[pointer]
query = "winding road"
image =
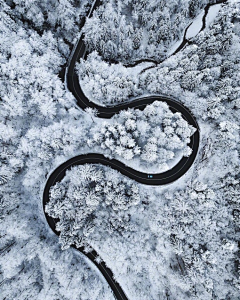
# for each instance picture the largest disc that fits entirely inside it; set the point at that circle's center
(72, 82)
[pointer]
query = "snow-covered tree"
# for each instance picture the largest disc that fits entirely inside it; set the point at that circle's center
(83, 199)
(155, 135)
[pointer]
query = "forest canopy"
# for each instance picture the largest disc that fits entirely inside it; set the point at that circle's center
(176, 242)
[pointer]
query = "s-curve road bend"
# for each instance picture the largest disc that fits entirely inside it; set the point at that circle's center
(72, 82)
(57, 176)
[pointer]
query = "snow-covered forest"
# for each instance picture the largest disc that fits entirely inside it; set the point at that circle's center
(89, 198)
(125, 31)
(151, 139)
(38, 125)
(175, 242)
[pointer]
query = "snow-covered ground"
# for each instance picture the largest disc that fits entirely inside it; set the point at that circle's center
(123, 83)
(154, 139)
(181, 241)
(212, 13)
(92, 84)
(195, 27)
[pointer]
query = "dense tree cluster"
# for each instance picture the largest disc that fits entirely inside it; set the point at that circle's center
(31, 268)
(32, 97)
(178, 242)
(147, 30)
(200, 226)
(155, 135)
(35, 131)
(89, 197)
(189, 235)
(196, 228)
(208, 69)
(109, 83)
(61, 17)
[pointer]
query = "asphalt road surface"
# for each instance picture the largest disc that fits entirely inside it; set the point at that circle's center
(107, 112)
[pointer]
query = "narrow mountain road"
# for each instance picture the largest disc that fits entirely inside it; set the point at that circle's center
(72, 82)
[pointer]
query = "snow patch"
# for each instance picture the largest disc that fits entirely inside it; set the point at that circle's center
(195, 27)
(212, 13)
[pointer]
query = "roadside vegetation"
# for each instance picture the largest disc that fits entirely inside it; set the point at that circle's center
(177, 242)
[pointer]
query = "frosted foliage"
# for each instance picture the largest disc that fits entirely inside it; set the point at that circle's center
(154, 135)
(110, 83)
(89, 197)
(175, 242)
(204, 74)
(38, 123)
(147, 30)
(200, 227)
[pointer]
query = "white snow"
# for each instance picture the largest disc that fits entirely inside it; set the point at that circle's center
(92, 85)
(41, 128)
(195, 27)
(136, 164)
(175, 46)
(212, 13)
